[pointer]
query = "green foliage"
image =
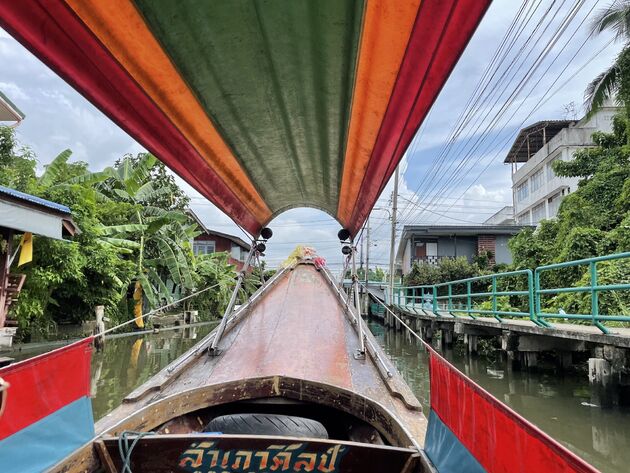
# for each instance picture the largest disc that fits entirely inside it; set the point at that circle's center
(133, 226)
(615, 81)
(17, 164)
(448, 269)
(504, 304)
(594, 220)
(483, 259)
(610, 302)
(213, 269)
(170, 196)
(375, 274)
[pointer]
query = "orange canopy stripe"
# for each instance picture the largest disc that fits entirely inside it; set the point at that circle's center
(387, 26)
(120, 27)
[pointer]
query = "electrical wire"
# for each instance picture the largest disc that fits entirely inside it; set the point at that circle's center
(566, 21)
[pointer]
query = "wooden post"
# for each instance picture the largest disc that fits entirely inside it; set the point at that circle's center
(99, 340)
(5, 259)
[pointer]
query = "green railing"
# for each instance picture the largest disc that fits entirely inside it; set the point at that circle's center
(593, 288)
(448, 299)
(461, 297)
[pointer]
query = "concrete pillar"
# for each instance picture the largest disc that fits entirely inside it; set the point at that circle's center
(509, 341)
(471, 343)
(564, 360)
(427, 331)
(446, 337)
(100, 327)
(599, 371)
(600, 375)
(529, 359)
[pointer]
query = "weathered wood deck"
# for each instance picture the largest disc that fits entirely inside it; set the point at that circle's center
(297, 339)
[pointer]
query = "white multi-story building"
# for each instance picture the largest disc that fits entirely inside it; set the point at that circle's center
(536, 190)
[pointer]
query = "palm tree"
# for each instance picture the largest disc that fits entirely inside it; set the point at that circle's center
(610, 84)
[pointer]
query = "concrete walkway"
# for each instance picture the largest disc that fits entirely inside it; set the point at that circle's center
(618, 336)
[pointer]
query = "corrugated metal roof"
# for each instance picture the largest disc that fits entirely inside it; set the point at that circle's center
(8, 110)
(530, 139)
(34, 200)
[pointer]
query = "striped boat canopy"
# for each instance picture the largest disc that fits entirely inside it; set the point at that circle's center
(261, 105)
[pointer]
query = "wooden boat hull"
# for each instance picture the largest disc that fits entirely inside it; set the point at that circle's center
(293, 348)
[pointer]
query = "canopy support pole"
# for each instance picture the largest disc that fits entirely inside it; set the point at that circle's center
(230, 307)
(357, 303)
(392, 242)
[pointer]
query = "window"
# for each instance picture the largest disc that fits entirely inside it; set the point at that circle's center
(550, 174)
(201, 247)
(553, 204)
(522, 192)
(538, 213)
(537, 180)
(523, 219)
(237, 252)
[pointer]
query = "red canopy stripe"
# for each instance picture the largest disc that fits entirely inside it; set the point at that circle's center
(440, 34)
(57, 36)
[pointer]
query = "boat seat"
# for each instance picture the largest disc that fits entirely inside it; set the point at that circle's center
(241, 453)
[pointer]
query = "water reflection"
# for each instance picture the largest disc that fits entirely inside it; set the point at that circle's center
(564, 406)
(127, 362)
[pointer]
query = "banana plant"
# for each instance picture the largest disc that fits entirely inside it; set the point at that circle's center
(158, 239)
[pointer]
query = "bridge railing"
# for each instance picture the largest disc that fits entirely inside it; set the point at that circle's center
(466, 297)
(594, 289)
(461, 297)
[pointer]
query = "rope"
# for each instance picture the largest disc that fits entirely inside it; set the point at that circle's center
(154, 311)
(126, 450)
(4, 387)
(426, 345)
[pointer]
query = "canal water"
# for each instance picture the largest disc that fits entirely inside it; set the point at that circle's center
(127, 360)
(564, 406)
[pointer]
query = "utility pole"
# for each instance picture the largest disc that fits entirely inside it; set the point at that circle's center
(367, 266)
(361, 251)
(392, 243)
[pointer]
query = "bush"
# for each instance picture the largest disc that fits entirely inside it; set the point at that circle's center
(448, 269)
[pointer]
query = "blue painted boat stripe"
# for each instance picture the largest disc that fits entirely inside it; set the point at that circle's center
(42, 444)
(446, 452)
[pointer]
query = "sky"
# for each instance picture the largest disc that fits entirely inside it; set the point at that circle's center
(452, 173)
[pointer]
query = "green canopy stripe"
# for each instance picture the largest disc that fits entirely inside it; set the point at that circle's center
(281, 101)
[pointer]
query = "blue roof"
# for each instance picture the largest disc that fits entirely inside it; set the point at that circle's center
(34, 200)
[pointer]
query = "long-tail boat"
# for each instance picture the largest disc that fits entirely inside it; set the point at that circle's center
(262, 106)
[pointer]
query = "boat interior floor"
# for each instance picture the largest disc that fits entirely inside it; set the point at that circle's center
(289, 356)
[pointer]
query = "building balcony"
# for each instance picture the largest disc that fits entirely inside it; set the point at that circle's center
(429, 259)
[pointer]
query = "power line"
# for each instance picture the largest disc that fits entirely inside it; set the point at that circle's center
(545, 98)
(476, 99)
(567, 20)
(494, 120)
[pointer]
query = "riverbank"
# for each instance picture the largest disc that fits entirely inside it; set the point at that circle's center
(565, 406)
(22, 351)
